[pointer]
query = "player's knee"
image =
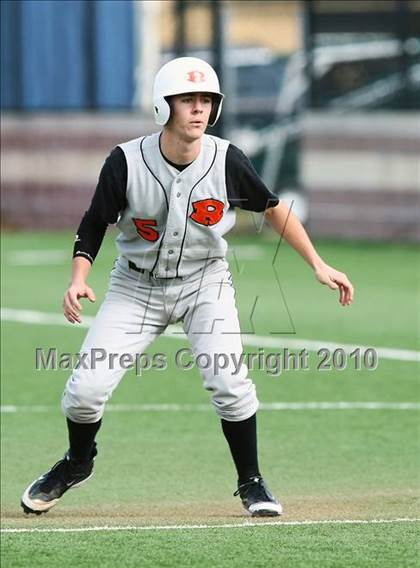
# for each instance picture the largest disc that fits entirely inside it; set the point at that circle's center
(235, 401)
(82, 403)
(237, 411)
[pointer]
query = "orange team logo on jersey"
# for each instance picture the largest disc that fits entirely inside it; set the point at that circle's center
(144, 229)
(196, 76)
(207, 211)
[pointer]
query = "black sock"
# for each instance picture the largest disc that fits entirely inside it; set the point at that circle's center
(82, 439)
(242, 439)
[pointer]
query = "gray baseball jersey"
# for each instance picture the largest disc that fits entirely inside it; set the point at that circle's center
(174, 220)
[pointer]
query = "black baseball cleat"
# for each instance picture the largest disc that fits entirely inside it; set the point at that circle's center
(257, 499)
(45, 492)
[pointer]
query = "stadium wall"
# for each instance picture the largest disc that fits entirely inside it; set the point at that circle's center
(361, 173)
(50, 164)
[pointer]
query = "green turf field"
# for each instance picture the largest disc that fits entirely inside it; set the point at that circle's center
(168, 466)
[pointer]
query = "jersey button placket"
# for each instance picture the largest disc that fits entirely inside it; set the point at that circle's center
(172, 233)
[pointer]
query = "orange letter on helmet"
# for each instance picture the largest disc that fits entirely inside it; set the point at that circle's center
(196, 76)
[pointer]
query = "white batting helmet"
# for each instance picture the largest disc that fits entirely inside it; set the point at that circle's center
(185, 75)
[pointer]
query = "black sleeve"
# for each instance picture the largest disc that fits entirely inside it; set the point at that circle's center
(245, 188)
(107, 203)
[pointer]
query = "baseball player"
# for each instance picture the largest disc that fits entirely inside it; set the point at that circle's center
(173, 196)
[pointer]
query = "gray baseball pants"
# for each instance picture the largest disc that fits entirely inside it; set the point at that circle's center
(136, 310)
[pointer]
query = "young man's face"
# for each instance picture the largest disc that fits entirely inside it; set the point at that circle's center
(190, 114)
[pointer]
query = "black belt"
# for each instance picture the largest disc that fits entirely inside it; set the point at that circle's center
(136, 268)
(151, 275)
(148, 273)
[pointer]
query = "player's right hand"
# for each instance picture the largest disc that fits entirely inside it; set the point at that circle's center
(71, 305)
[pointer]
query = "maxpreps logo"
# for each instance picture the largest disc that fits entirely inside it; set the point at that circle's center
(196, 76)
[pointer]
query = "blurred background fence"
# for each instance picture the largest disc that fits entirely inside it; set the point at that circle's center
(323, 96)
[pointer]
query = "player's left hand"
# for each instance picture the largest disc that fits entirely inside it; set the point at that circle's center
(336, 280)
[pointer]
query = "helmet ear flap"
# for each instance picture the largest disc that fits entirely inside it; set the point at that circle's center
(162, 111)
(216, 109)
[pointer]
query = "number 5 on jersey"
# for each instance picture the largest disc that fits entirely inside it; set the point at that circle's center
(144, 229)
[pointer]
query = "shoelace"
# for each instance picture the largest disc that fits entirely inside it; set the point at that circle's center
(64, 470)
(255, 482)
(57, 472)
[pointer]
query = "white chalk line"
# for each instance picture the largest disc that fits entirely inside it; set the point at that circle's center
(38, 257)
(264, 406)
(175, 332)
(61, 256)
(246, 524)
